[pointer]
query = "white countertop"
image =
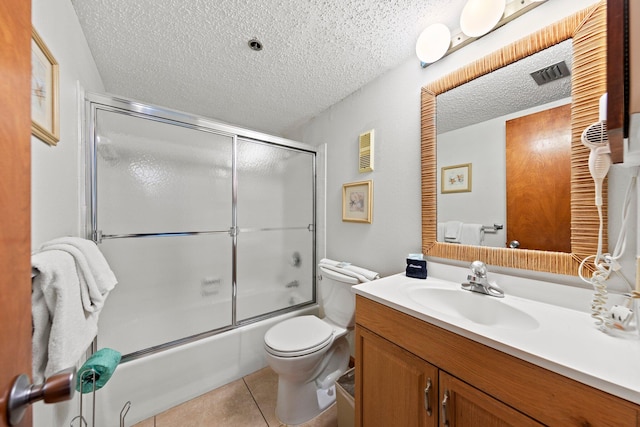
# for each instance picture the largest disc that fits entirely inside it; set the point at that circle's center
(565, 341)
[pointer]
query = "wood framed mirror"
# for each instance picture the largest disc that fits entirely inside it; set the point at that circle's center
(587, 29)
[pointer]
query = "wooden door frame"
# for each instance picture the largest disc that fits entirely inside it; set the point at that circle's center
(15, 197)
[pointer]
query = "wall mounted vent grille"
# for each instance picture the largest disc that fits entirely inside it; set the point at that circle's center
(365, 153)
(551, 73)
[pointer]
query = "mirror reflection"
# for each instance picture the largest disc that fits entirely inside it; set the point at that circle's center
(504, 156)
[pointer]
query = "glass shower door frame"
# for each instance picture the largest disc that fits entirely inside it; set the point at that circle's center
(95, 102)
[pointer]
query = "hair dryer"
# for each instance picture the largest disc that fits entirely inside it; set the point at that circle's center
(595, 138)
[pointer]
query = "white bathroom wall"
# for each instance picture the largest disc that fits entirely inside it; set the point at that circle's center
(391, 106)
(55, 190)
(55, 185)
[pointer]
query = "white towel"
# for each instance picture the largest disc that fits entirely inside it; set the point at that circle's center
(472, 234)
(96, 277)
(440, 232)
(69, 290)
(452, 231)
(362, 274)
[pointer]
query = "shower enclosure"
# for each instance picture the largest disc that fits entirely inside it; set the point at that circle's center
(208, 227)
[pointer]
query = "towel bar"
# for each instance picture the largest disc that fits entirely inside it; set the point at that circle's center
(492, 228)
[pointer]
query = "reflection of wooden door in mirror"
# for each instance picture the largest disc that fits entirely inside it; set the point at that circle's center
(539, 180)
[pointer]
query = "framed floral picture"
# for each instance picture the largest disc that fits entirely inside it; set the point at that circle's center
(357, 201)
(45, 122)
(456, 179)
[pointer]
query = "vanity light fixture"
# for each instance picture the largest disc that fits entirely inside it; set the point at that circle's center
(478, 18)
(481, 16)
(433, 43)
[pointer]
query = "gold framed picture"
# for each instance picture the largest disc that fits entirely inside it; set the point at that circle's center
(45, 122)
(456, 179)
(357, 202)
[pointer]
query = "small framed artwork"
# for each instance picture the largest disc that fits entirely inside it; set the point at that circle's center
(456, 179)
(357, 201)
(45, 122)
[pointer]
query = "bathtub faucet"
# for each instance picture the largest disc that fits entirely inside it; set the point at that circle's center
(294, 284)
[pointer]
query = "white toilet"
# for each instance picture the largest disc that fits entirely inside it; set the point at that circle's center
(309, 353)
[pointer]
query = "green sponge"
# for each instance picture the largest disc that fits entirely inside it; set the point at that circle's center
(103, 363)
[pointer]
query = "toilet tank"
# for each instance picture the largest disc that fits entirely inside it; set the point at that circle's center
(337, 298)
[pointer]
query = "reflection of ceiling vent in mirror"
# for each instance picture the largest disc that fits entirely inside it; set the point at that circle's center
(365, 153)
(551, 73)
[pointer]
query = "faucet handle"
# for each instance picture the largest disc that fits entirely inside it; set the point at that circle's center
(479, 269)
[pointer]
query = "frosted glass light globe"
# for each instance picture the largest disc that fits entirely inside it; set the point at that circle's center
(433, 43)
(481, 16)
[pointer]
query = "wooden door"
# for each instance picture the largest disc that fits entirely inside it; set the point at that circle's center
(466, 406)
(539, 180)
(15, 197)
(393, 386)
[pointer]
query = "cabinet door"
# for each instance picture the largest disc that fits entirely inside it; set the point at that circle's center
(462, 405)
(393, 386)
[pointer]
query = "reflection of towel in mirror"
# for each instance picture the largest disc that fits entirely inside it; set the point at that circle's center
(72, 282)
(452, 231)
(472, 234)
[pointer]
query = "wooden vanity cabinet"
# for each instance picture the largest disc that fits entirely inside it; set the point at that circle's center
(465, 406)
(395, 387)
(398, 356)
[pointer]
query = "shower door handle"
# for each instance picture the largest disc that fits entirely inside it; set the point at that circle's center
(57, 388)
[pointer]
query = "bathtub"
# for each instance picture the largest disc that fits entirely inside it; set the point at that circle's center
(157, 382)
(160, 381)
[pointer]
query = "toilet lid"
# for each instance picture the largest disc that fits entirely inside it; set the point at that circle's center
(298, 335)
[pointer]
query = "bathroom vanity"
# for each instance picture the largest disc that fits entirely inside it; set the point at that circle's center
(420, 366)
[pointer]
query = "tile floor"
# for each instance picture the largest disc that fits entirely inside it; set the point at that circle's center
(247, 402)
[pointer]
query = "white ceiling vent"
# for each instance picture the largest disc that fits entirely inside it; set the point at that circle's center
(551, 73)
(365, 153)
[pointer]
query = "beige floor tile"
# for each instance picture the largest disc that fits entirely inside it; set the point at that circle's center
(228, 406)
(149, 422)
(329, 418)
(263, 385)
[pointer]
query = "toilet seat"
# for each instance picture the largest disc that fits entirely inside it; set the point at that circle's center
(298, 336)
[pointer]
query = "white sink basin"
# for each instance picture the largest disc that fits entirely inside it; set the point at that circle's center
(540, 322)
(476, 307)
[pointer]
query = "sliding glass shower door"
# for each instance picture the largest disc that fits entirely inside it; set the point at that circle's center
(204, 228)
(163, 205)
(275, 220)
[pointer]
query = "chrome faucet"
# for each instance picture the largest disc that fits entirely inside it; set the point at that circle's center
(478, 281)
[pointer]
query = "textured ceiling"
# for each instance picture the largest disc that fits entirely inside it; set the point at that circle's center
(193, 55)
(477, 101)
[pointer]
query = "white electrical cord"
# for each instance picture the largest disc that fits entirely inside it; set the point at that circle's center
(606, 263)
